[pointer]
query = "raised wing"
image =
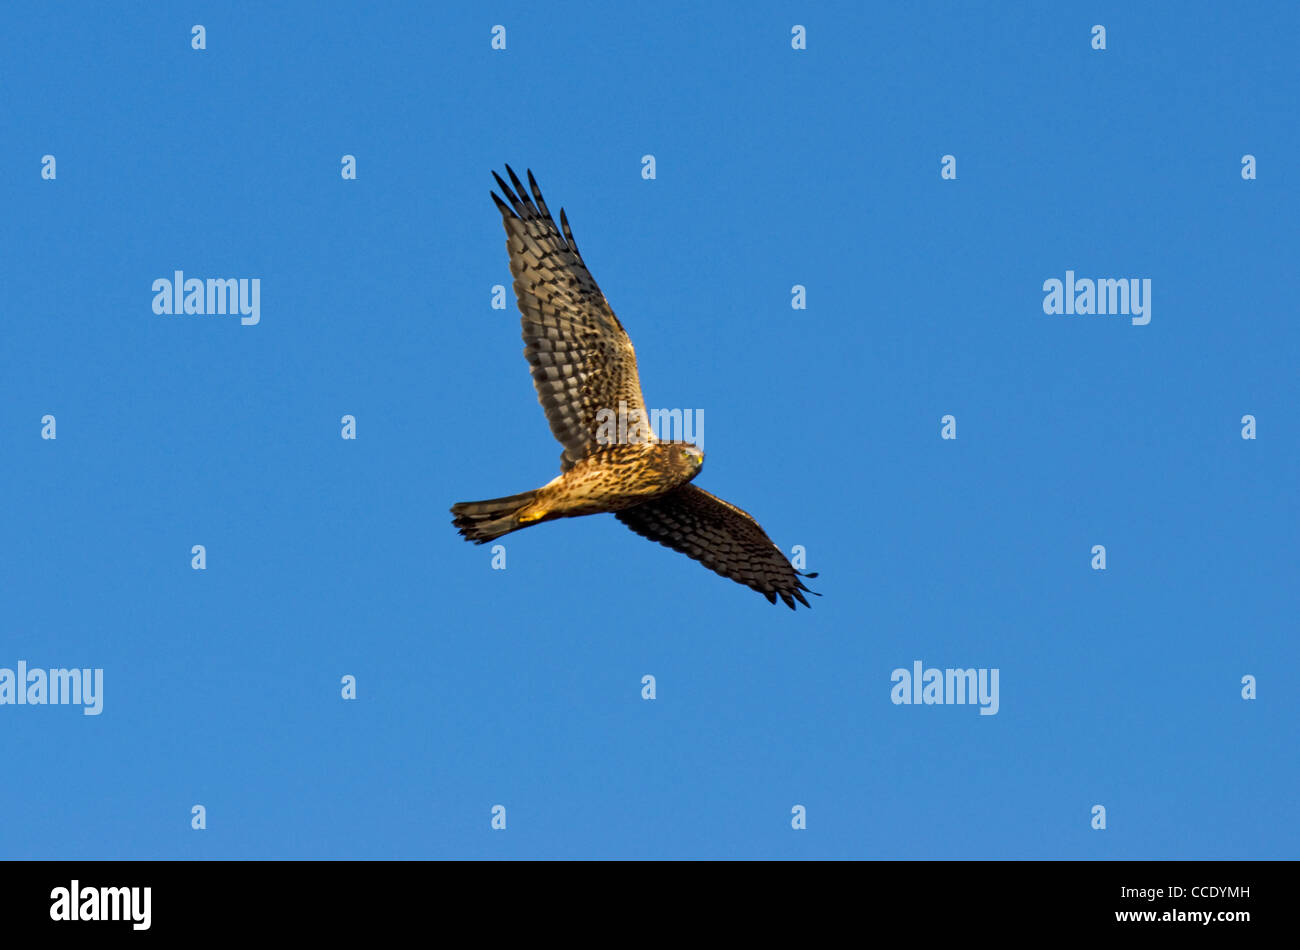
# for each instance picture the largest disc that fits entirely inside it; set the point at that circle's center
(722, 538)
(582, 360)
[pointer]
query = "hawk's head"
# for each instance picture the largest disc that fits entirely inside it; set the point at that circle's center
(692, 456)
(675, 463)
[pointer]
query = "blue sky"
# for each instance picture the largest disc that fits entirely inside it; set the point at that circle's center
(522, 687)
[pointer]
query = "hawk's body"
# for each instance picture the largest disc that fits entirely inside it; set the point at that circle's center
(583, 366)
(611, 479)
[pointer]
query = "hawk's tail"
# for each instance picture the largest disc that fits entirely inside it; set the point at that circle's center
(483, 521)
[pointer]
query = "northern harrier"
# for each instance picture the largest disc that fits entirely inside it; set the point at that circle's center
(582, 362)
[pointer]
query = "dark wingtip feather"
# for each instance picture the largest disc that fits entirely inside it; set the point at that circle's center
(770, 595)
(504, 208)
(568, 235)
(519, 187)
(507, 191)
(800, 585)
(537, 194)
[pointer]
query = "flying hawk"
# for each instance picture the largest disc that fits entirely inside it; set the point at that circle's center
(582, 362)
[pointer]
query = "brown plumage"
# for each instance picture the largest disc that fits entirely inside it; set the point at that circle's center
(612, 478)
(582, 363)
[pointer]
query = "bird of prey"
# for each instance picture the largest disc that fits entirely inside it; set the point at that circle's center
(582, 363)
